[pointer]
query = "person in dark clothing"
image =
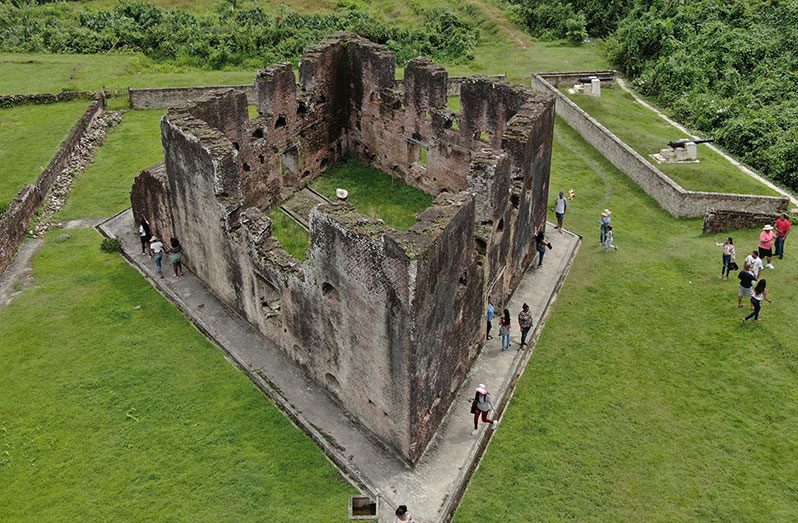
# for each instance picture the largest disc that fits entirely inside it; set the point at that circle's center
(540, 245)
(145, 233)
(747, 279)
(176, 257)
(760, 294)
(524, 322)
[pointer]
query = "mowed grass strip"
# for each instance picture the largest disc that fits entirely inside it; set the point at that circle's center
(647, 133)
(104, 188)
(115, 408)
(647, 398)
(374, 193)
(30, 136)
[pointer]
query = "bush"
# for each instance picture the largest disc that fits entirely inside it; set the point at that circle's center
(111, 245)
(226, 37)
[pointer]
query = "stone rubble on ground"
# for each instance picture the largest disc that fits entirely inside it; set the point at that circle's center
(81, 156)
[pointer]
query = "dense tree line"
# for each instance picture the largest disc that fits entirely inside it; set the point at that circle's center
(726, 67)
(246, 36)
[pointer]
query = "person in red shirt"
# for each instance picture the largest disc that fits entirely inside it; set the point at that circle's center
(783, 226)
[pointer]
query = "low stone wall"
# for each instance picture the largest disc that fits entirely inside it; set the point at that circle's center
(672, 197)
(180, 96)
(13, 100)
(24, 206)
(722, 221)
(572, 77)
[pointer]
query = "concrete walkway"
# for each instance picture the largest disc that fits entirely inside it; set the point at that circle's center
(433, 488)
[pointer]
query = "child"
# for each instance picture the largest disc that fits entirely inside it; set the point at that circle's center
(608, 240)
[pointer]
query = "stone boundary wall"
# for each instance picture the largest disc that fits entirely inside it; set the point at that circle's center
(672, 197)
(12, 100)
(168, 97)
(570, 78)
(722, 221)
(453, 87)
(23, 207)
(165, 98)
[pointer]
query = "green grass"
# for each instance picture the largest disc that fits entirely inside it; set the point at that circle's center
(115, 408)
(30, 135)
(647, 133)
(294, 239)
(374, 193)
(646, 398)
(47, 73)
(104, 189)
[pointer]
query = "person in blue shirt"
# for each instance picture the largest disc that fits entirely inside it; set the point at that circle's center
(491, 313)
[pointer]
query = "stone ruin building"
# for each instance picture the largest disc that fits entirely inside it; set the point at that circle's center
(387, 321)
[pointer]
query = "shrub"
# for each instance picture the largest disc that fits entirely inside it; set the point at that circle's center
(111, 245)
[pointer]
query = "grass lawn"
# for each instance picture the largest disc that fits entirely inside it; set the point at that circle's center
(30, 135)
(647, 398)
(115, 408)
(294, 239)
(52, 73)
(647, 133)
(104, 189)
(374, 193)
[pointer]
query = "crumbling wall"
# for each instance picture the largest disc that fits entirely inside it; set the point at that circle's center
(388, 321)
(150, 197)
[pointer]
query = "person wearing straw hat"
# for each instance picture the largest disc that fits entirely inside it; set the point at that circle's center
(604, 220)
(341, 194)
(766, 240)
(481, 406)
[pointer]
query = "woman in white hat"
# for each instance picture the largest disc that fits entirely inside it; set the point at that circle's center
(481, 406)
(604, 220)
(766, 240)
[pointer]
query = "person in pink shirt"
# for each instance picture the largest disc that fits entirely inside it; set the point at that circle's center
(783, 227)
(766, 240)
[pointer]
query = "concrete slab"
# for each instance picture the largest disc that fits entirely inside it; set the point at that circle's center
(433, 488)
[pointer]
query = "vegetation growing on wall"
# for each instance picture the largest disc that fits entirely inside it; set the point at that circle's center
(246, 36)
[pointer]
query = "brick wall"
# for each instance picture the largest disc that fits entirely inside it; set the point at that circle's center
(24, 206)
(179, 96)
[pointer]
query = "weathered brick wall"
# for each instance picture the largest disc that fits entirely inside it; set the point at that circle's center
(166, 98)
(24, 206)
(671, 196)
(150, 197)
(722, 221)
(389, 322)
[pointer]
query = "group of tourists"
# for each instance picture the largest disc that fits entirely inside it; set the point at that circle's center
(152, 246)
(752, 285)
(505, 324)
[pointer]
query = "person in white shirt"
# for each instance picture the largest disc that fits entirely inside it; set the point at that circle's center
(755, 262)
(156, 246)
(560, 206)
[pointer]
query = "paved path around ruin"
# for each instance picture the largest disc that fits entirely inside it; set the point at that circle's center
(433, 488)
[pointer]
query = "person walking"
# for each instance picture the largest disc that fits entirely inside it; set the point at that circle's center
(609, 239)
(728, 257)
(156, 247)
(524, 323)
(491, 313)
(481, 407)
(604, 221)
(760, 294)
(176, 257)
(402, 515)
(145, 233)
(767, 238)
(754, 262)
(560, 206)
(504, 330)
(747, 279)
(783, 226)
(540, 245)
